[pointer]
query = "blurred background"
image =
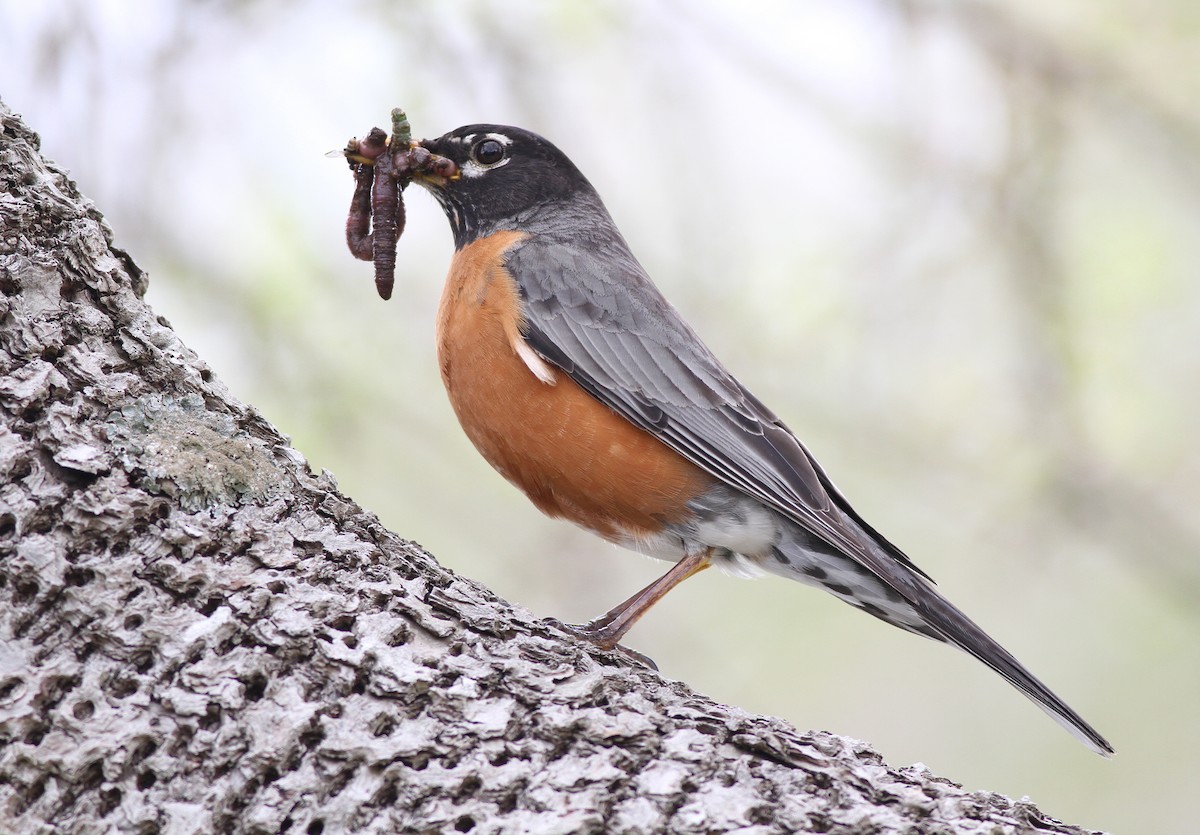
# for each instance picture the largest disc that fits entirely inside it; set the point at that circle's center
(952, 244)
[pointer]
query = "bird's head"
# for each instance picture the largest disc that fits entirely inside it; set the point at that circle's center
(500, 174)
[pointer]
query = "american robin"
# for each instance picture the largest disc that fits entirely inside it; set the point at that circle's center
(578, 381)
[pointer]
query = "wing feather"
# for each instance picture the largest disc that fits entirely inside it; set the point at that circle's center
(618, 338)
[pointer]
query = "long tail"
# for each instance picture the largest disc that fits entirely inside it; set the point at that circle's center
(909, 601)
(959, 630)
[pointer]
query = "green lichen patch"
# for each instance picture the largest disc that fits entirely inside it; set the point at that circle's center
(180, 448)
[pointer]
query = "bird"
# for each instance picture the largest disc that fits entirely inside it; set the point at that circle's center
(584, 387)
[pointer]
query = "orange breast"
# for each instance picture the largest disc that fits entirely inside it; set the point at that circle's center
(573, 456)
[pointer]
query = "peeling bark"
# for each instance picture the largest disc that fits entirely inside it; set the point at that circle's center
(198, 634)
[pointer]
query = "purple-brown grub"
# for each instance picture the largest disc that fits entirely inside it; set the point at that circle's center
(376, 217)
(387, 212)
(358, 221)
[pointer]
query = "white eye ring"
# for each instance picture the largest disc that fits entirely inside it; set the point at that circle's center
(476, 167)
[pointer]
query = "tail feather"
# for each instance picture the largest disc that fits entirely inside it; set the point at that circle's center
(908, 600)
(956, 628)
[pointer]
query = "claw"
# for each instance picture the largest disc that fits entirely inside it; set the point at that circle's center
(595, 634)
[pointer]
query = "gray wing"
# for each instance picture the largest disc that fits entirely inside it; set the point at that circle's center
(624, 344)
(615, 335)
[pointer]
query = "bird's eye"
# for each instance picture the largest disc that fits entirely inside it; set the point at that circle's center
(487, 152)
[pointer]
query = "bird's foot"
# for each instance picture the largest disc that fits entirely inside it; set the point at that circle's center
(599, 634)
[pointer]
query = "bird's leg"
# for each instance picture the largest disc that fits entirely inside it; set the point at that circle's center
(607, 630)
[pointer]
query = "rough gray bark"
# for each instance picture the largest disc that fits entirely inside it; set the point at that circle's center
(199, 635)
